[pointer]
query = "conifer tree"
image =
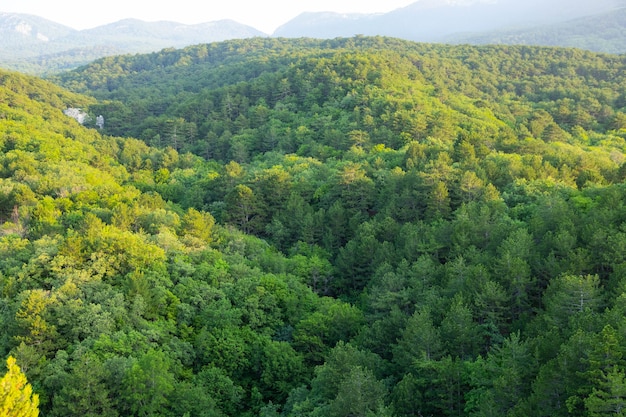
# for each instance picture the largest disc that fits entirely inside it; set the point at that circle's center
(16, 394)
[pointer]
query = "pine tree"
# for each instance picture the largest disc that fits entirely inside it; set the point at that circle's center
(610, 398)
(16, 394)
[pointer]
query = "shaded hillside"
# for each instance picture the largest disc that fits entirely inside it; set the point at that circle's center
(368, 226)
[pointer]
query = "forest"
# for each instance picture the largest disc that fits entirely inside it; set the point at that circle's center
(350, 227)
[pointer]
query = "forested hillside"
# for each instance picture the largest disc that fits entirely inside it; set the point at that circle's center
(355, 227)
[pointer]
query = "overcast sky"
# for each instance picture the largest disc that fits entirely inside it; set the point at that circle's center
(263, 15)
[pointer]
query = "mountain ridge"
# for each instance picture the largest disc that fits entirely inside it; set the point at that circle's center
(36, 45)
(604, 32)
(31, 27)
(426, 21)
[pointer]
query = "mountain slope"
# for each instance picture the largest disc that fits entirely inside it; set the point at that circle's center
(603, 33)
(437, 20)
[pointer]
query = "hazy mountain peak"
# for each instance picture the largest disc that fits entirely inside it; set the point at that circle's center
(33, 44)
(29, 27)
(435, 20)
(443, 3)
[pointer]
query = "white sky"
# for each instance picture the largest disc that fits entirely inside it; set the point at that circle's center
(265, 15)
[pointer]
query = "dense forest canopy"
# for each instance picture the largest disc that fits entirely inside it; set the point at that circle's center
(352, 227)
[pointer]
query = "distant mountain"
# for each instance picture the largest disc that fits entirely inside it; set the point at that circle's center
(438, 20)
(168, 33)
(605, 32)
(327, 25)
(27, 29)
(25, 36)
(36, 45)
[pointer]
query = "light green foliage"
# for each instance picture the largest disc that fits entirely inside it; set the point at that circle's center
(198, 225)
(359, 394)
(570, 295)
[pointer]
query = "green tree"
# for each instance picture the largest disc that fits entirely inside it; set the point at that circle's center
(245, 210)
(459, 331)
(227, 395)
(501, 380)
(490, 301)
(438, 203)
(609, 399)
(189, 399)
(280, 369)
(354, 188)
(32, 318)
(355, 261)
(360, 394)
(198, 225)
(406, 396)
(571, 295)
(349, 374)
(420, 340)
(147, 384)
(84, 391)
